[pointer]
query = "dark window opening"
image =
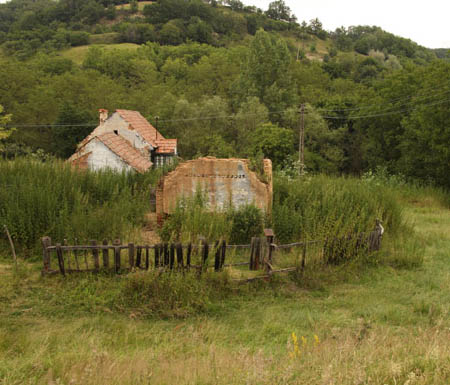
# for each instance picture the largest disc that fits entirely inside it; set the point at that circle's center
(116, 132)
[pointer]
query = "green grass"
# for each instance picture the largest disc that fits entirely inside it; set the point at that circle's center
(104, 38)
(78, 54)
(141, 5)
(376, 324)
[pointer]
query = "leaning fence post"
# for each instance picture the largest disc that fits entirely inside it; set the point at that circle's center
(11, 243)
(46, 242)
(59, 253)
(105, 254)
(95, 256)
(252, 254)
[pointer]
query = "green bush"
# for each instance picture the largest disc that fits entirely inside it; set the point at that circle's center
(247, 222)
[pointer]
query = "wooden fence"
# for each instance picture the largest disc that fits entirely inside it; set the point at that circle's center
(97, 257)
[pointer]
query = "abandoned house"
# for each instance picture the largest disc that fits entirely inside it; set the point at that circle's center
(124, 141)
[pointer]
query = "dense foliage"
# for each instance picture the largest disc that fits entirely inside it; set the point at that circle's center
(226, 80)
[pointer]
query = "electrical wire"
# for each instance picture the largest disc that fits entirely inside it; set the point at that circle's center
(369, 106)
(386, 113)
(235, 117)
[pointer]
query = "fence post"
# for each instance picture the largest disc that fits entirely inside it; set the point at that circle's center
(180, 262)
(95, 256)
(46, 242)
(217, 256)
(105, 254)
(59, 253)
(116, 244)
(252, 254)
(147, 257)
(303, 256)
(157, 251)
(205, 252)
(75, 254)
(188, 255)
(166, 254)
(138, 256)
(223, 253)
(257, 253)
(65, 243)
(172, 256)
(131, 255)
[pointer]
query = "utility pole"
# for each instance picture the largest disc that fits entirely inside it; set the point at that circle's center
(301, 144)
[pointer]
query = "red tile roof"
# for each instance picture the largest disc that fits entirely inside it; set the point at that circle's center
(125, 151)
(141, 126)
(166, 146)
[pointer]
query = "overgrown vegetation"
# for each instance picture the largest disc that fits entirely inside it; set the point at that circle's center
(321, 207)
(193, 219)
(50, 198)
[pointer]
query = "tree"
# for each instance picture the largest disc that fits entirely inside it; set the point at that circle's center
(275, 143)
(66, 137)
(171, 34)
(278, 10)
(4, 120)
(266, 73)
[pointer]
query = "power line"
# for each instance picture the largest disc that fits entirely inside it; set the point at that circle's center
(385, 113)
(236, 117)
(388, 102)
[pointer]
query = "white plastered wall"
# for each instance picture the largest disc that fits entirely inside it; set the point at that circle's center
(102, 157)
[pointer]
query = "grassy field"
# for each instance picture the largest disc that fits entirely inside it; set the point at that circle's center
(371, 325)
(77, 54)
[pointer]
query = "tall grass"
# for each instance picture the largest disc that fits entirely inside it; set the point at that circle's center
(51, 198)
(320, 207)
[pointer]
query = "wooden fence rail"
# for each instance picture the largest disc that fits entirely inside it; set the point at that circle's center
(96, 256)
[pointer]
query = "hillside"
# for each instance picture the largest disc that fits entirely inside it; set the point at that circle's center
(372, 99)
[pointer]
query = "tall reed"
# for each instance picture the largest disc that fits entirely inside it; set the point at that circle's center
(53, 199)
(321, 206)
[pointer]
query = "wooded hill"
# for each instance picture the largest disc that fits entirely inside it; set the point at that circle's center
(227, 80)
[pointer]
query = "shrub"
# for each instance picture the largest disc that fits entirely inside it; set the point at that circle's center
(247, 222)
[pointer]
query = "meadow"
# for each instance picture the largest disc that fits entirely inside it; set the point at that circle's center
(382, 319)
